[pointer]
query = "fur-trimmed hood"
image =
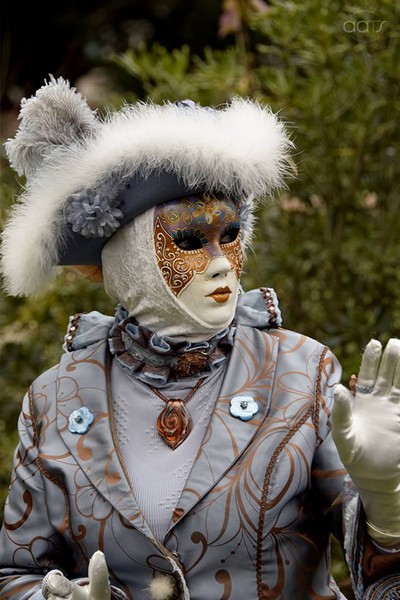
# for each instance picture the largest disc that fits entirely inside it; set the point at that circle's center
(77, 165)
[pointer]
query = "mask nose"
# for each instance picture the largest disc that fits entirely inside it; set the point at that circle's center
(219, 267)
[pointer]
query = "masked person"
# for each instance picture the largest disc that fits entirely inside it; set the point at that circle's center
(183, 448)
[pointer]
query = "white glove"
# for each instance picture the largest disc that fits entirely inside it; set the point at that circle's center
(57, 587)
(366, 431)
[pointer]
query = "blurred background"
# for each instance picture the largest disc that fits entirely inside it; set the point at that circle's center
(328, 244)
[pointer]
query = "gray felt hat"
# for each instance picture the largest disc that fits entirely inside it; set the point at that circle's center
(88, 176)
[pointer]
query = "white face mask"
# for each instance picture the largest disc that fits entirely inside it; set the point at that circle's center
(197, 242)
(167, 288)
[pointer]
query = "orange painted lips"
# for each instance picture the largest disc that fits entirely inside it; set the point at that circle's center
(221, 295)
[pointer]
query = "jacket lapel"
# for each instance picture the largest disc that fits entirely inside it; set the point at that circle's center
(250, 373)
(83, 382)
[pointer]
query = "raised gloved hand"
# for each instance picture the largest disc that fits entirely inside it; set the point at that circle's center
(366, 431)
(57, 587)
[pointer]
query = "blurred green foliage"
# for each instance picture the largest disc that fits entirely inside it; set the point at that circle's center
(330, 245)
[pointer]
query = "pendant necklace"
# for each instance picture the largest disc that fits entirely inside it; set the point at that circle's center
(174, 422)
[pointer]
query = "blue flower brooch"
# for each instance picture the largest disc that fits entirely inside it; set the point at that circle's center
(80, 420)
(243, 407)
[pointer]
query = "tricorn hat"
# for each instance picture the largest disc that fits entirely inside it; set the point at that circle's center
(88, 176)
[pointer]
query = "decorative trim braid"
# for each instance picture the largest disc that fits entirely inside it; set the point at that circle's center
(264, 496)
(317, 403)
(72, 329)
(273, 319)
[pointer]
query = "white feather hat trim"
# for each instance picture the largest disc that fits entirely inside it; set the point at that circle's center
(240, 149)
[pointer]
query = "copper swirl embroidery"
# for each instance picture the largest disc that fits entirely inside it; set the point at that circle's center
(233, 252)
(177, 266)
(208, 220)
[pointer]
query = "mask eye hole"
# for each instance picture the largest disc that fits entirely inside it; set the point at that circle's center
(189, 239)
(230, 234)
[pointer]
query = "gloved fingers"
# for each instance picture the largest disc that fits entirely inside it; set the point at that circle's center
(343, 430)
(369, 367)
(388, 366)
(79, 592)
(55, 586)
(395, 395)
(99, 585)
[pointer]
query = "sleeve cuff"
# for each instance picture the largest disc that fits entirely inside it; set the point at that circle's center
(387, 540)
(385, 589)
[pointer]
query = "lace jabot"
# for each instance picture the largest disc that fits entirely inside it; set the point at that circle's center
(156, 360)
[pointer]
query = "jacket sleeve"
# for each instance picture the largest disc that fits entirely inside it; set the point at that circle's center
(29, 546)
(375, 574)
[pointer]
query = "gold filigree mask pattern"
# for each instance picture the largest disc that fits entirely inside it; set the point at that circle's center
(190, 232)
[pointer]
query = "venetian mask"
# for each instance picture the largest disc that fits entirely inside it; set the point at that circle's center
(198, 250)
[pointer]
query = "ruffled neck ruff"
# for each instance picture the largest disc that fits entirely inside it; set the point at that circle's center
(156, 360)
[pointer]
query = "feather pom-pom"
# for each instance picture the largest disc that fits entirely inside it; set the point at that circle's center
(163, 587)
(56, 117)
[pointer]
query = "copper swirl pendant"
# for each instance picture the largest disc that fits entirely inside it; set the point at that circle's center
(174, 423)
